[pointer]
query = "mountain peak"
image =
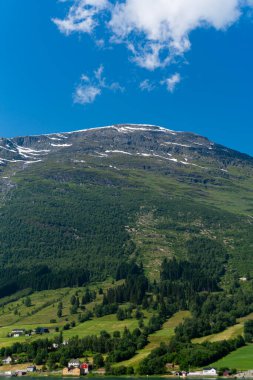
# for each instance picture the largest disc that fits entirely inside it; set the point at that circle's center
(123, 128)
(145, 142)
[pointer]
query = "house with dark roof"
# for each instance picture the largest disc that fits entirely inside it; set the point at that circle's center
(74, 363)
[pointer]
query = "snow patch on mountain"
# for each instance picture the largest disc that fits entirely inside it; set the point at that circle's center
(61, 145)
(122, 128)
(177, 144)
(118, 151)
(8, 148)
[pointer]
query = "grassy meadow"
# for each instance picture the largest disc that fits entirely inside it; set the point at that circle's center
(241, 359)
(43, 313)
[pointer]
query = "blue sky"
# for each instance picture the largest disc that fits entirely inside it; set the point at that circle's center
(75, 64)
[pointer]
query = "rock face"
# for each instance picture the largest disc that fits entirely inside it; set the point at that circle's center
(87, 200)
(138, 140)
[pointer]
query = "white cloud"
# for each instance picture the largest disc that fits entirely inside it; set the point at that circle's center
(154, 31)
(85, 94)
(99, 75)
(81, 16)
(164, 26)
(90, 88)
(146, 85)
(172, 81)
(115, 86)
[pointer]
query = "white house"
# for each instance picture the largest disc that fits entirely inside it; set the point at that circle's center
(17, 332)
(7, 360)
(74, 363)
(31, 368)
(209, 372)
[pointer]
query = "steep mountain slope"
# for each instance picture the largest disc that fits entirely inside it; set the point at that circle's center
(74, 205)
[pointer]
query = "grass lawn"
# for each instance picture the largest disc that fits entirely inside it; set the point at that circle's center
(93, 327)
(241, 359)
(157, 338)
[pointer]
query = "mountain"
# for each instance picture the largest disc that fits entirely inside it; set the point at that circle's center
(74, 205)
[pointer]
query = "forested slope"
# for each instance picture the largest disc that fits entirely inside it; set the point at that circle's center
(76, 205)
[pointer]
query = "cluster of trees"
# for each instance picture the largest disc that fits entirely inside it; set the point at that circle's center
(203, 269)
(126, 269)
(75, 304)
(133, 290)
(59, 309)
(187, 355)
(118, 347)
(248, 331)
(100, 310)
(214, 312)
(27, 301)
(88, 296)
(41, 277)
(124, 313)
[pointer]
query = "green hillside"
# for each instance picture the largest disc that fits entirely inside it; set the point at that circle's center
(70, 217)
(111, 235)
(78, 223)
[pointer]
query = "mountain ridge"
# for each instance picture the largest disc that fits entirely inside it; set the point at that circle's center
(19, 148)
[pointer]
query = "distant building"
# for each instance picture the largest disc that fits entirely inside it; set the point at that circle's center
(31, 368)
(75, 368)
(20, 373)
(74, 363)
(17, 332)
(41, 330)
(209, 372)
(84, 368)
(7, 360)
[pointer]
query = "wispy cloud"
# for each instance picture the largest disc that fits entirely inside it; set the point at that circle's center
(85, 94)
(82, 16)
(172, 82)
(90, 87)
(147, 85)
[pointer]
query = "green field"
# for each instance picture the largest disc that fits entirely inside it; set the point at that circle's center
(241, 359)
(43, 310)
(96, 325)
